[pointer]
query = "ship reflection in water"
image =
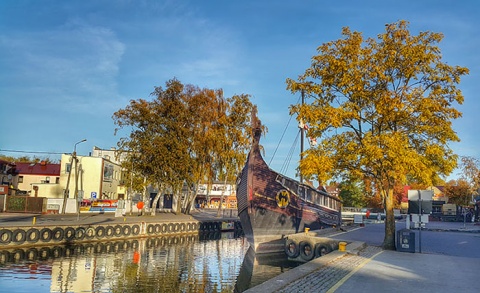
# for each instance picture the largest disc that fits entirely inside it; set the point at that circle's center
(216, 262)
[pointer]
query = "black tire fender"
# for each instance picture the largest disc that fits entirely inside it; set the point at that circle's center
(194, 227)
(322, 249)
(151, 228)
(291, 248)
(307, 250)
(69, 233)
(5, 236)
(177, 227)
(117, 230)
(164, 228)
(126, 230)
(79, 233)
(90, 233)
(183, 227)
(211, 226)
(33, 235)
(100, 232)
(19, 236)
(58, 234)
(135, 229)
(46, 234)
(109, 231)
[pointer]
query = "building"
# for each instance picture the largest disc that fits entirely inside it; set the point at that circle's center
(92, 177)
(209, 196)
(97, 176)
(37, 179)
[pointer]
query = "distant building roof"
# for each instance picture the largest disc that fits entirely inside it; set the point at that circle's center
(41, 168)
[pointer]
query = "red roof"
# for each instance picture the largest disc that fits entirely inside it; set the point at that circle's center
(37, 169)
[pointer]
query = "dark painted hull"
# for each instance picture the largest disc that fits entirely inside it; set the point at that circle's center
(271, 205)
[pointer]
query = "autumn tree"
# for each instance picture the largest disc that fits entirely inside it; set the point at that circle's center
(470, 167)
(382, 110)
(180, 138)
(458, 192)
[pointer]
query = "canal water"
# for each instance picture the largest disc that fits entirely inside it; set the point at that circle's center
(213, 262)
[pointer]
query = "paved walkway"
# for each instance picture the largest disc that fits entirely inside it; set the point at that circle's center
(22, 220)
(371, 269)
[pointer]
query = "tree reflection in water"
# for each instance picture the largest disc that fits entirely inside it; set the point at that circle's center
(205, 263)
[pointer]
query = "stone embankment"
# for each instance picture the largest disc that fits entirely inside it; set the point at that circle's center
(66, 229)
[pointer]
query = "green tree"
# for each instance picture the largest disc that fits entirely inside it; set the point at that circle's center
(352, 193)
(383, 109)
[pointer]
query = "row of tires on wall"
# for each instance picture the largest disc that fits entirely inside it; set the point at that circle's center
(66, 234)
(218, 226)
(78, 234)
(168, 228)
(306, 250)
(189, 227)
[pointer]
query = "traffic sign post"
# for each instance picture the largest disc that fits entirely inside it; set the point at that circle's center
(420, 205)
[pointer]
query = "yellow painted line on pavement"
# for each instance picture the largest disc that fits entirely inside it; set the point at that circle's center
(344, 279)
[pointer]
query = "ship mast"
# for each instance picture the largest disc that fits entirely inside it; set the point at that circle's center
(302, 134)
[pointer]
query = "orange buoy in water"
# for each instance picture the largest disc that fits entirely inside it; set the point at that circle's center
(140, 205)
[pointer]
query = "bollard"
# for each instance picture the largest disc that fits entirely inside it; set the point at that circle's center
(34, 221)
(306, 231)
(342, 246)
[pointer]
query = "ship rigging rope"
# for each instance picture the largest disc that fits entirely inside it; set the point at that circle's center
(287, 161)
(283, 134)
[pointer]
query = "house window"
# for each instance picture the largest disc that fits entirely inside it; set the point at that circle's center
(57, 180)
(68, 166)
(47, 179)
(20, 179)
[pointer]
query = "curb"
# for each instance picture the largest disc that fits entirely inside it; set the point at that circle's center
(277, 283)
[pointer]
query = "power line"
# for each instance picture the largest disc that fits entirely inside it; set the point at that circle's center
(31, 152)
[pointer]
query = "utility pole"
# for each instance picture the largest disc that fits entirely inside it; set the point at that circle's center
(74, 159)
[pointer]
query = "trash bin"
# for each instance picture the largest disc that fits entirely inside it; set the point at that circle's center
(405, 240)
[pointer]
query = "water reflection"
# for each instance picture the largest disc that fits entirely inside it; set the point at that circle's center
(215, 262)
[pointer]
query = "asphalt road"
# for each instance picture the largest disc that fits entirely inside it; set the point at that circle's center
(462, 244)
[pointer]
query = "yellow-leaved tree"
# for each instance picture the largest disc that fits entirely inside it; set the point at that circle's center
(382, 111)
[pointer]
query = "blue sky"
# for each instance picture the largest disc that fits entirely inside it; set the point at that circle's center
(67, 66)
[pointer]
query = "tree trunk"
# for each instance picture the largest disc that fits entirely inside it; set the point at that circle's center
(155, 201)
(389, 240)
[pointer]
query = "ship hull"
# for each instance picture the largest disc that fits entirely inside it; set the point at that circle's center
(272, 206)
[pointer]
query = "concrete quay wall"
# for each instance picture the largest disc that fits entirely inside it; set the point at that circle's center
(71, 232)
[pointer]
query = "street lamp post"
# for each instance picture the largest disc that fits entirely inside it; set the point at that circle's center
(74, 159)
